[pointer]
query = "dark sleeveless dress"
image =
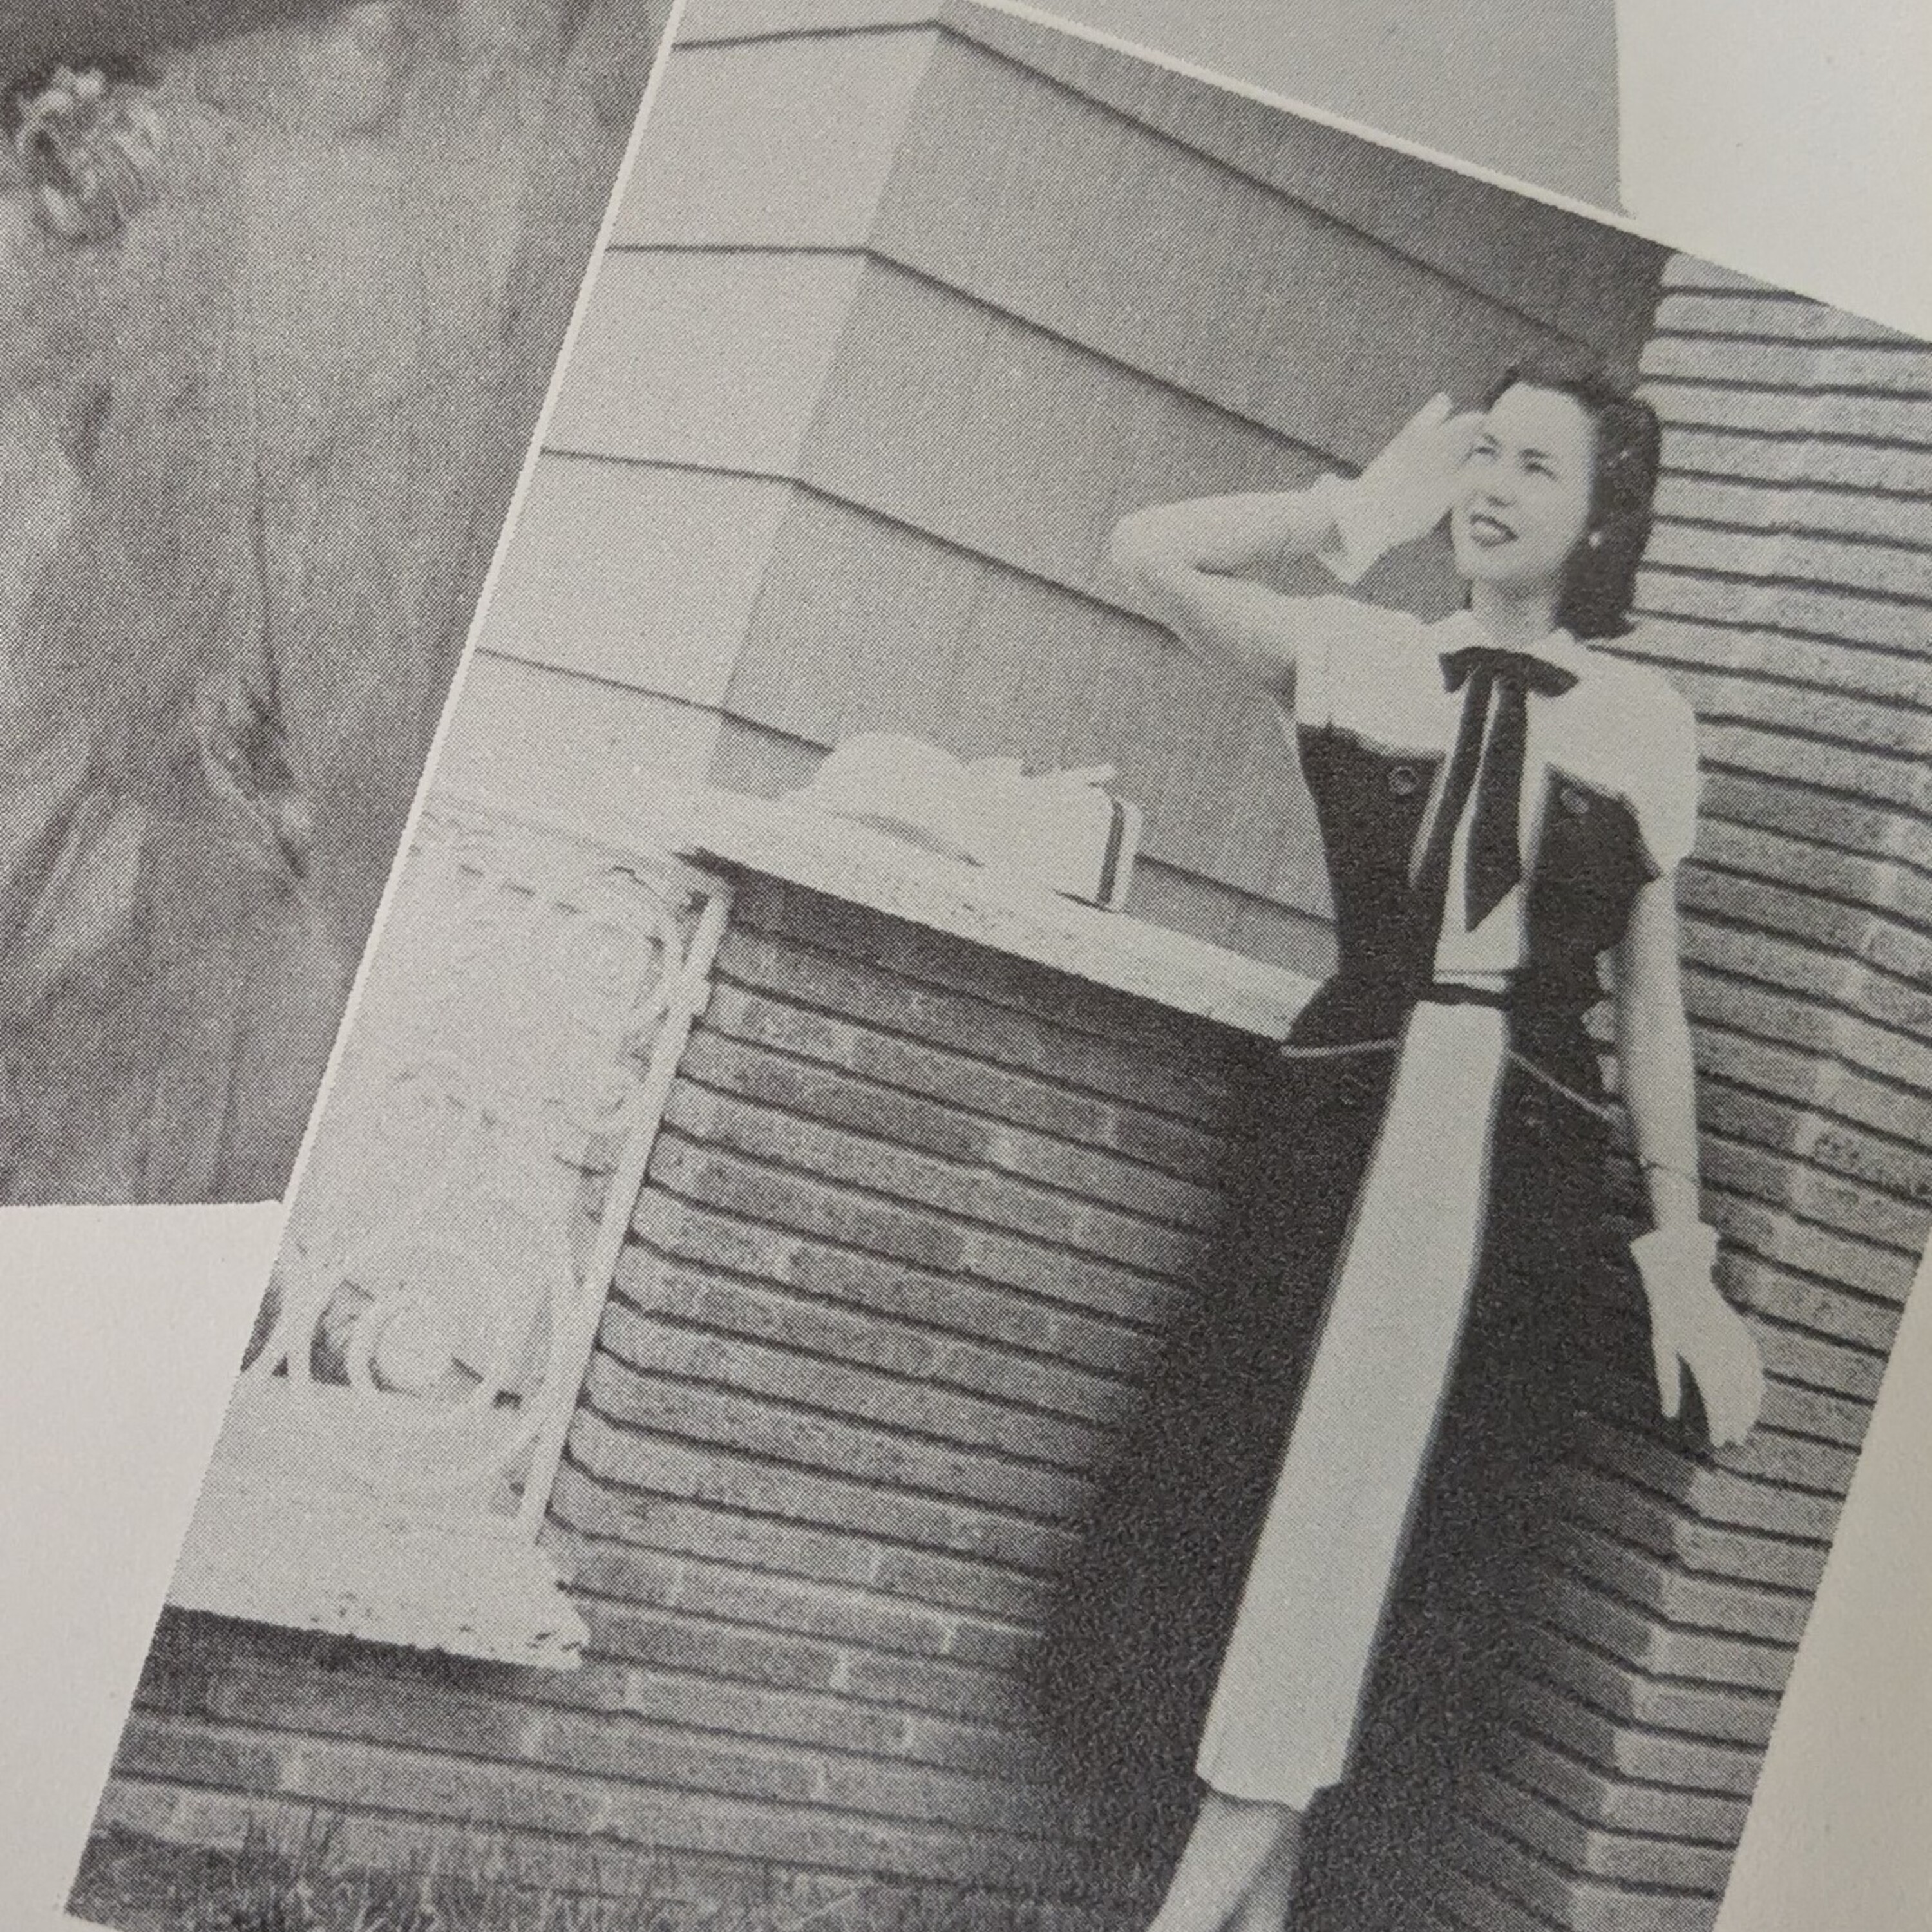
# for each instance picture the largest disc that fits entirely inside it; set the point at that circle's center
(1142, 1627)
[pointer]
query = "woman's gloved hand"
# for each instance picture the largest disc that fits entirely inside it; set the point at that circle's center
(1692, 1326)
(1404, 493)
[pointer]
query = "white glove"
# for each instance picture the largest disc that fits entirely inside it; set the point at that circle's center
(1692, 1326)
(1404, 493)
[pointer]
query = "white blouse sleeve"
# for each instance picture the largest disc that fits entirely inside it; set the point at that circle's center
(1357, 656)
(1667, 781)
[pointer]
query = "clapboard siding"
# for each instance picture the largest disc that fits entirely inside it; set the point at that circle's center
(988, 658)
(629, 573)
(710, 358)
(1121, 253)
(979, 579)
(1541, 261)
(1792, 583)
(530, 730)
(921, 369)
(972, 292)
(1528, 116)
(800, 136)
(1435, 215)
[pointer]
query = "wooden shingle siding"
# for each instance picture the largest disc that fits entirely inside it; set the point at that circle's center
(1580, 278)
(1119, 253)
(799, 136)
(923, 366)
(994, 659)
(948, 294)
(1788, 593)
(625, 567)
(709, 358)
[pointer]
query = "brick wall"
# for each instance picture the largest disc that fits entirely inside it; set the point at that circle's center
(917, 1214)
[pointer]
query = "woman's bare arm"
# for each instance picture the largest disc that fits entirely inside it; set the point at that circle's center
(1692, 1325)
(1186, 561)
(1189, 561)
(1654, 1058)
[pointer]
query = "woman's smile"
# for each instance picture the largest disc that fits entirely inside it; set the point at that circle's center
(1524, 496)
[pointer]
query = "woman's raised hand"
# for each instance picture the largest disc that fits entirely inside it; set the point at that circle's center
(1406, 490)
(1692, 1327)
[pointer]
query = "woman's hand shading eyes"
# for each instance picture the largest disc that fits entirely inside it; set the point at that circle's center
(1406, 490)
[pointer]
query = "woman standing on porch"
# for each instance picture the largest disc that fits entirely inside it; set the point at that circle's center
(1499, 806)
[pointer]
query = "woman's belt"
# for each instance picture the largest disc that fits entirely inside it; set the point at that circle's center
(1513, 997)
(1556, 993)
(1463, 993)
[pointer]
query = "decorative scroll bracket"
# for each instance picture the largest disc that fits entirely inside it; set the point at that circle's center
(388, 1457)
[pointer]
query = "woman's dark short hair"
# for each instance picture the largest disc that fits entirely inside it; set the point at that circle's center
(1600, 580)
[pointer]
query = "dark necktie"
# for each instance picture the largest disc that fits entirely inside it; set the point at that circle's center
(1495, 858)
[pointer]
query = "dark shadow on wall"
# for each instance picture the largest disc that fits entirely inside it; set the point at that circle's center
(257, 449)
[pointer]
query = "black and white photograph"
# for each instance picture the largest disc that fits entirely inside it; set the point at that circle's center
(1138, 1128)
(285, 285)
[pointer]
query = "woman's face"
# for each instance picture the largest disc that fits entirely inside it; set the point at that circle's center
(1522, 500)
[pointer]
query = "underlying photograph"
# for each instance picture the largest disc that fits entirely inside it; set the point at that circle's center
(285, 282)
(1144, 1115)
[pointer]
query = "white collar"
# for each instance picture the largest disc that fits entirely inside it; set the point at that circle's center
(1460, 628)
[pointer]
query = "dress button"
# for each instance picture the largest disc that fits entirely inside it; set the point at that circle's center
(1403, 780)
(1575, 803)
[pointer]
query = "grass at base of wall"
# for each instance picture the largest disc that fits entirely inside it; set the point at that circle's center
(134, 1883)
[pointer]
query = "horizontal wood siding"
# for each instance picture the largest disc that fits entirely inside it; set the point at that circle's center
(1788, 593)
(975, 290)
(1039, 346)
